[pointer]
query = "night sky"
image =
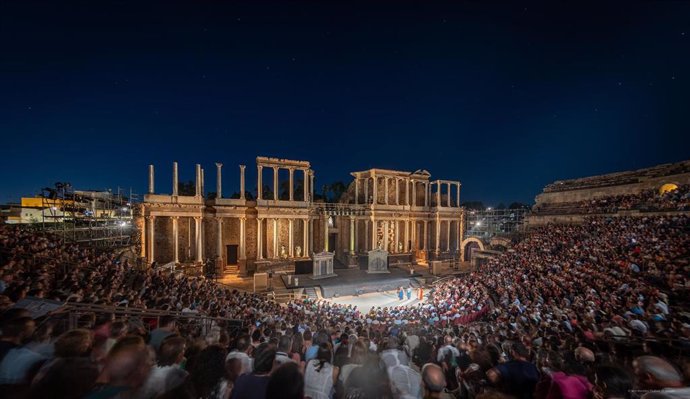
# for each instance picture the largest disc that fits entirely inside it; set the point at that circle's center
(505, 97)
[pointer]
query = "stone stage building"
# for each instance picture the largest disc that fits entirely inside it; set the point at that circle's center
(413, 218)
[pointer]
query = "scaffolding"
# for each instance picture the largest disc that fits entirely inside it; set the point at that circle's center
(95, 218)
(488, 223)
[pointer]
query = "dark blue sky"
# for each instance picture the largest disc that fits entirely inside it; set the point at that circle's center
(505, 97)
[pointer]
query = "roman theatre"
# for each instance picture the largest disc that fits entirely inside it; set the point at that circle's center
(414, 219)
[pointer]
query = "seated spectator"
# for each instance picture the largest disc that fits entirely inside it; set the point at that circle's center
(517, 377)
(167, 374)
(612, 382)
(253, 385)
(165, 328)
(320, 374)
(660, 378)
(434, 382)
(18, 364)
(286, 382)
(126, 369)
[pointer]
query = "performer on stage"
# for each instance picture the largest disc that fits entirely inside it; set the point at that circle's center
(409, 292)
(421, 294)
(401, 293)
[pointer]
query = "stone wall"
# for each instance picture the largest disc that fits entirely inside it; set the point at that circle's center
(598, 192)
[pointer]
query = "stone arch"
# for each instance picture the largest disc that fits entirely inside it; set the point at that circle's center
(667, 187)
(468, 243)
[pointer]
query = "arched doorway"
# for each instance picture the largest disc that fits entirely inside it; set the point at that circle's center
(667, 188)
(469, 249)
(469, 245)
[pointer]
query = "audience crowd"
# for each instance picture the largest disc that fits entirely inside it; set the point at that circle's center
(647, 200)
(597, 310)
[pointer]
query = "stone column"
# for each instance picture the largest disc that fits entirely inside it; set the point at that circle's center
(449, 197)
(406, 244)
(385, 235)
(151, 186)
(397, 191)
(219, 242)
(458, 204)
(311, 185)
(292, 176)
(305, 186)
(366, 234)
(259, 243)
(426, 194)
(438, 236)
(352, 235)
(438, 195)
(259, 188)
(396, 236)
(176, 240)
(151, 237)
(219, 181)
(374, 233)
(243, 237)
(305, 237)
(385, 185)
(290, 239)
(242, 197)
(275, 183)
(375, 188)
(457, 236)
(425, 239)
(174, 178)
(311, 236)
(366, 190)
(325, 233)
(198, 180)
(199, 239)
(275, 239)
(448, 235)
(413, 235)
(202, 185)
(414, 193)
(356, 190)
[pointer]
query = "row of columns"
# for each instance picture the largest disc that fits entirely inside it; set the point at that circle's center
(199, 172)
(306, 243)
(409, 234)
(410, 190)
(308, 182)
(448, 196)
(198, 238)
(410, 196)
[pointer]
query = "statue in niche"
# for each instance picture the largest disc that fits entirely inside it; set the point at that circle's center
(283, 252)
(400, 247)
(298, 251)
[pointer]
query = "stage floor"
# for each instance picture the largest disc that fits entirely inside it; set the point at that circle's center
(357, 282)
(376, 299)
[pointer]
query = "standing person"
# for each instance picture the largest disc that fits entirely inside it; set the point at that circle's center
(254, 385)
(518, 377)
(409, 292)
(165, 328)
(320, 375)
(421, 294)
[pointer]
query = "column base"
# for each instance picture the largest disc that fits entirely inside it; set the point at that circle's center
(352, 261)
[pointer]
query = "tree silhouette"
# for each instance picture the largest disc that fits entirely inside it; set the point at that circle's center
(186, 188)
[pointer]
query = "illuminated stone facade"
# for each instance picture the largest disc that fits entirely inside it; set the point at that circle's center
(405, 213)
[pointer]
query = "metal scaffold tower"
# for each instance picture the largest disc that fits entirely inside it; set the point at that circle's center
(98, 218)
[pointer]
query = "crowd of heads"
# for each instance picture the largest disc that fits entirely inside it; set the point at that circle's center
(578, 311)
(647, 200)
